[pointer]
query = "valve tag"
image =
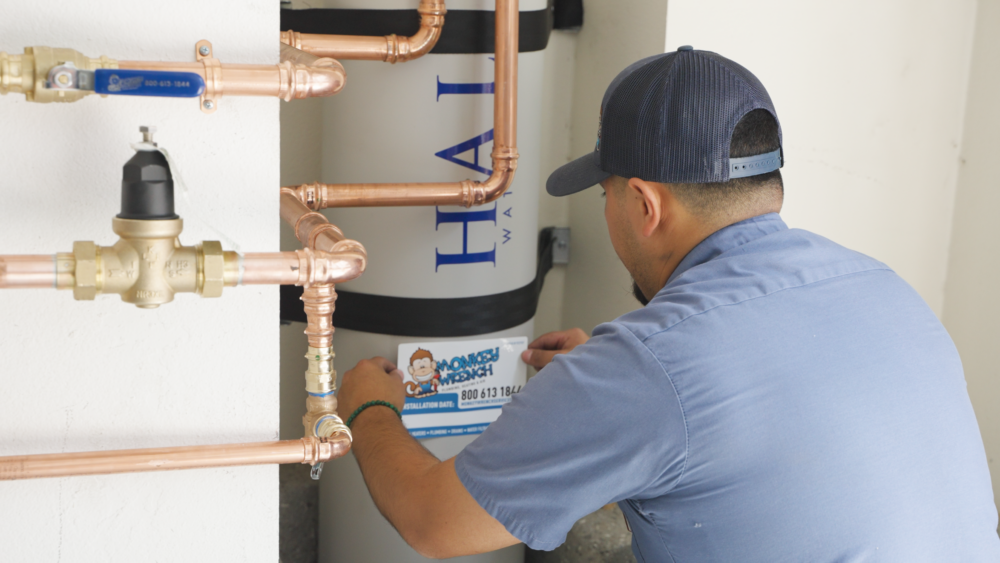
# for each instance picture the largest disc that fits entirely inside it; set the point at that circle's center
(148, 83)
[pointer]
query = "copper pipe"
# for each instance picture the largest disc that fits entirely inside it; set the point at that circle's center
(319, 301)
(28, 271)
(467, 193)
(311, 228)
(305, 267)
(391, 48)
(297, 76)
(307, 450)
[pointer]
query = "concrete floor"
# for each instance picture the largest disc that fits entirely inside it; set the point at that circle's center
(599, 538)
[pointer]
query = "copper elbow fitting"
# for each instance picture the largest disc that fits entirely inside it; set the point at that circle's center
(504, 167)
(390, 49)
(307, 76)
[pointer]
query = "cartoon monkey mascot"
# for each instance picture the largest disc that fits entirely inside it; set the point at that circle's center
(425, 375)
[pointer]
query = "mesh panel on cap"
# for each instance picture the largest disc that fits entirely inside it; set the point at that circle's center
(672, 118)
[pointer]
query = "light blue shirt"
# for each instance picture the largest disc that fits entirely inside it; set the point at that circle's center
(782, 398)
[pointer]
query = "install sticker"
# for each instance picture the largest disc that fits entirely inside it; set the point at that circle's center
(458, 388)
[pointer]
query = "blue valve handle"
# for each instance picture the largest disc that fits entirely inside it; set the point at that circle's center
(160, 83)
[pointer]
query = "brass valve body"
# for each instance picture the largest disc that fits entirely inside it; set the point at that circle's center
(148, 265)
(26, 74)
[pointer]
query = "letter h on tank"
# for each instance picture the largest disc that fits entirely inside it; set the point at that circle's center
(466, 217)
(451, 154)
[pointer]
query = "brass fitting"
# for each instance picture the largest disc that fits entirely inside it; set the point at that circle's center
(148, 265)
(321, 419)
(26, 74)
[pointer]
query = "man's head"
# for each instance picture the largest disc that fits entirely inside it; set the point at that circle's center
(421, 365)
(688, 143)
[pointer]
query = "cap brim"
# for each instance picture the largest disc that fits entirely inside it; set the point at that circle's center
(576, 176)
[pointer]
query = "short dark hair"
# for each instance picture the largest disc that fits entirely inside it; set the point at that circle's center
(756, 133)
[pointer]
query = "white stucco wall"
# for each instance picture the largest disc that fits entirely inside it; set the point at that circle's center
(79, 376)
(871, 98)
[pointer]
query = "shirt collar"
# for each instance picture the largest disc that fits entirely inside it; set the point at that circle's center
(728, 238)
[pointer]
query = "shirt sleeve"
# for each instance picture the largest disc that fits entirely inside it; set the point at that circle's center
(598, 425)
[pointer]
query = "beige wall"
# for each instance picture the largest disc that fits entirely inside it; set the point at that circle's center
(871, 97)
(614, 35)
(971, 299)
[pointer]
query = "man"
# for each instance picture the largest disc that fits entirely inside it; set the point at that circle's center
(780, 398)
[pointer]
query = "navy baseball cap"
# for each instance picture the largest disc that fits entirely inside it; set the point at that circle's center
(669, 118)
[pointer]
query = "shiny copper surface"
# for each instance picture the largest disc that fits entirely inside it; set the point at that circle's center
(318, 302)
(307, 450)
(467, 193)
(28, 271)
(305, 267)
(311, 228)
(391, 48)
(298, 75)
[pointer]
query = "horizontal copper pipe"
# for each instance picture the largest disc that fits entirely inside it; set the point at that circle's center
(28, 271)
(391, 48)
(467, 193)
(297, 76)
(305, 267)
(307, 450)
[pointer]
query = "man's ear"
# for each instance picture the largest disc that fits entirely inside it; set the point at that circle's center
(410, 368)
(648, 198)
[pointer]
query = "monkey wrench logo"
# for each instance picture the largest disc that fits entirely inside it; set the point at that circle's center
(116, 84)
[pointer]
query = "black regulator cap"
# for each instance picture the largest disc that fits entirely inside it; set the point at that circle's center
(147, 188)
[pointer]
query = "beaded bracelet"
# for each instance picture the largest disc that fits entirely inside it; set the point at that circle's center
(351, 418)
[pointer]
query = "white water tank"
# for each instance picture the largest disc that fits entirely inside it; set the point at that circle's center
(426, 120)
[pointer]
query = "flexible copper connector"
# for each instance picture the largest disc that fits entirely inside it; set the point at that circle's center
(308, 450)
(391, 48)
(298, 75)
(467, 193)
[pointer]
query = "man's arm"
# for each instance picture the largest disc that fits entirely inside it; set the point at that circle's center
(421, 496)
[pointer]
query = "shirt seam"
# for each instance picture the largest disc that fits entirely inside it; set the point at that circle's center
(680, 403)
(658, 535)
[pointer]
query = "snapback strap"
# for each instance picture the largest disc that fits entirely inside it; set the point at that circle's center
(754, 165)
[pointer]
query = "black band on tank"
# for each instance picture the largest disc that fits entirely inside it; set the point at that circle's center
(405, 316)
(465, 31)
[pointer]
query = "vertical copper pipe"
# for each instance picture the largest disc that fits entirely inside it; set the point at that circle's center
(28, 272)
(307, 450)
(319, 302)
(468, 193)
(390, 48)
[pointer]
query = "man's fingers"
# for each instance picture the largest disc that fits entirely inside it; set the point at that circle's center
(549, 341)
(539, 358)
(383, 363)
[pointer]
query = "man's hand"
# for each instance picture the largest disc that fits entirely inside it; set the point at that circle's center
(370, 380)
(547, 346)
